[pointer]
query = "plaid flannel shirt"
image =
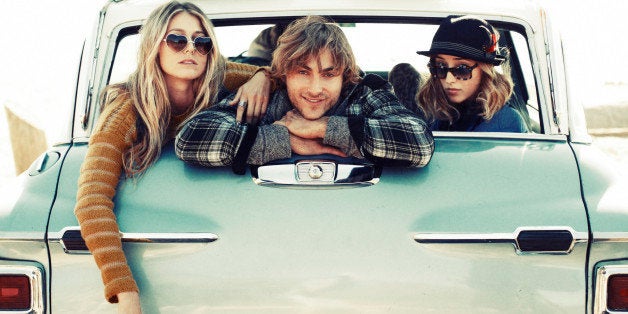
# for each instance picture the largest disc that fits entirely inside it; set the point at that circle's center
(367, 123)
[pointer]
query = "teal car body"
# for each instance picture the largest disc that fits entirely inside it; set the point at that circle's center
(496, 222)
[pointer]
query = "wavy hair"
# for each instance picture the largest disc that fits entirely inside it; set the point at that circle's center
(308, 37)
(495, 89)
(147, 89)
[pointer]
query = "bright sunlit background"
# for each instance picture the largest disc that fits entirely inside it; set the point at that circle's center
(41, 44)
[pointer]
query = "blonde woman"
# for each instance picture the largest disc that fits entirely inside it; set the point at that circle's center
(179, 74)
(465, 92)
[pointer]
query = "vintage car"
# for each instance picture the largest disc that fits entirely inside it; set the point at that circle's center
(496, 222)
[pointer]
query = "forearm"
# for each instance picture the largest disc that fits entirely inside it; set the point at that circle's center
(211, 138)
(99, 177)
(392, 134)
(339, 135)
(404, 142)
(238, 73)
(272, 143)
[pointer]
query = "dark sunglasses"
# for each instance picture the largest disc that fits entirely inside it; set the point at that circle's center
(461, 72)
(178, 42)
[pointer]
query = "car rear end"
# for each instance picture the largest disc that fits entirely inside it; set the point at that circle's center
(495, 223)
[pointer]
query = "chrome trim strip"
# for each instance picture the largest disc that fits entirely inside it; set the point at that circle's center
(601, 281)
(137, 237)
(21, 236)
(602, 237)
(502, 136)
(480, 238)
(179, 237)
(445, 238)
(312, 186)
(36, 282)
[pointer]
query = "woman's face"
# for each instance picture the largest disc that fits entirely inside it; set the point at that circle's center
(187, 64)
(459, 90)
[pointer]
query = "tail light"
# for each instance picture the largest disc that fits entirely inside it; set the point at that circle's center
(20, 289)
(617, 291)
(611, 289)
(15, 292)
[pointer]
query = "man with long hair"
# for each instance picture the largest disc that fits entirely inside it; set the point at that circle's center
(321, 106)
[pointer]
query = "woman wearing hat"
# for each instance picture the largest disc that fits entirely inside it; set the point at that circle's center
(464, 91)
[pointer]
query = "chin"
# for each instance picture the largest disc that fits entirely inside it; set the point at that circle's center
(455, 101)
(313, 116)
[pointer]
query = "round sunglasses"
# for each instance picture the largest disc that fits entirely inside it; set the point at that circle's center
(178, 42)
(461, 72)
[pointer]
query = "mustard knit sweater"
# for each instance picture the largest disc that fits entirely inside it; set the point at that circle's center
(114, 133)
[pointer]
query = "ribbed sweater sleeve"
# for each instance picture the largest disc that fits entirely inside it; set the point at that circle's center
(100, 174)
(99, 177)
(239, 73)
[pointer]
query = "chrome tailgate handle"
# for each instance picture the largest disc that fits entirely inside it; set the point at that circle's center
(316, 173)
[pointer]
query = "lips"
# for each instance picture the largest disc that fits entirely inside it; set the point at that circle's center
(452, 91)
(188, 61)
(313, 100)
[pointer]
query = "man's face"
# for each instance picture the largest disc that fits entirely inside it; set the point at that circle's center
(314, 86)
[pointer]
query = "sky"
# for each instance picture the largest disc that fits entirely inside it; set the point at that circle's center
(40, 45)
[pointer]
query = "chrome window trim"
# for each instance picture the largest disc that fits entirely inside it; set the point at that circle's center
(35, 278)
(101, 63)
(601, 280)
(487, 238)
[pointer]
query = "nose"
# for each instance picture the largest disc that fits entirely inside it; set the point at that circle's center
(450, 78)
(315, 85)
(189, 48)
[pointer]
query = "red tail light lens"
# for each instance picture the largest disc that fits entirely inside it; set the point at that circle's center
(617, 293)
(15, 292)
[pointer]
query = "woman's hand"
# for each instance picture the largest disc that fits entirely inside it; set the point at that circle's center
(252, 98)
(129, 303)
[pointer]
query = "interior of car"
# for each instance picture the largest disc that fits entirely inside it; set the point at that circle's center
(379, 45)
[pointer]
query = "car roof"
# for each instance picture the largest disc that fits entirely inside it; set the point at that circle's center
(125, 11)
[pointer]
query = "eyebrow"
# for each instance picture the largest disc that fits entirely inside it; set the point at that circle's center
(331, 68)
(183, 31)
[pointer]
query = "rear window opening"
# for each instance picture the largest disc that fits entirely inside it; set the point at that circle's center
(378, 44)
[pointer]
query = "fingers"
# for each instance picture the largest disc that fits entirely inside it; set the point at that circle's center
(255, 93)
(254, 111)
(334, 151)
(251, 107)
(237, 97)
(242, 105)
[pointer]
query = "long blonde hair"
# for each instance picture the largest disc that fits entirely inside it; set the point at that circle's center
(495, 89)
(147, 89)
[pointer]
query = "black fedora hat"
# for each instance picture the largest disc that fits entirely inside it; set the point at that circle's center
(467, 37)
